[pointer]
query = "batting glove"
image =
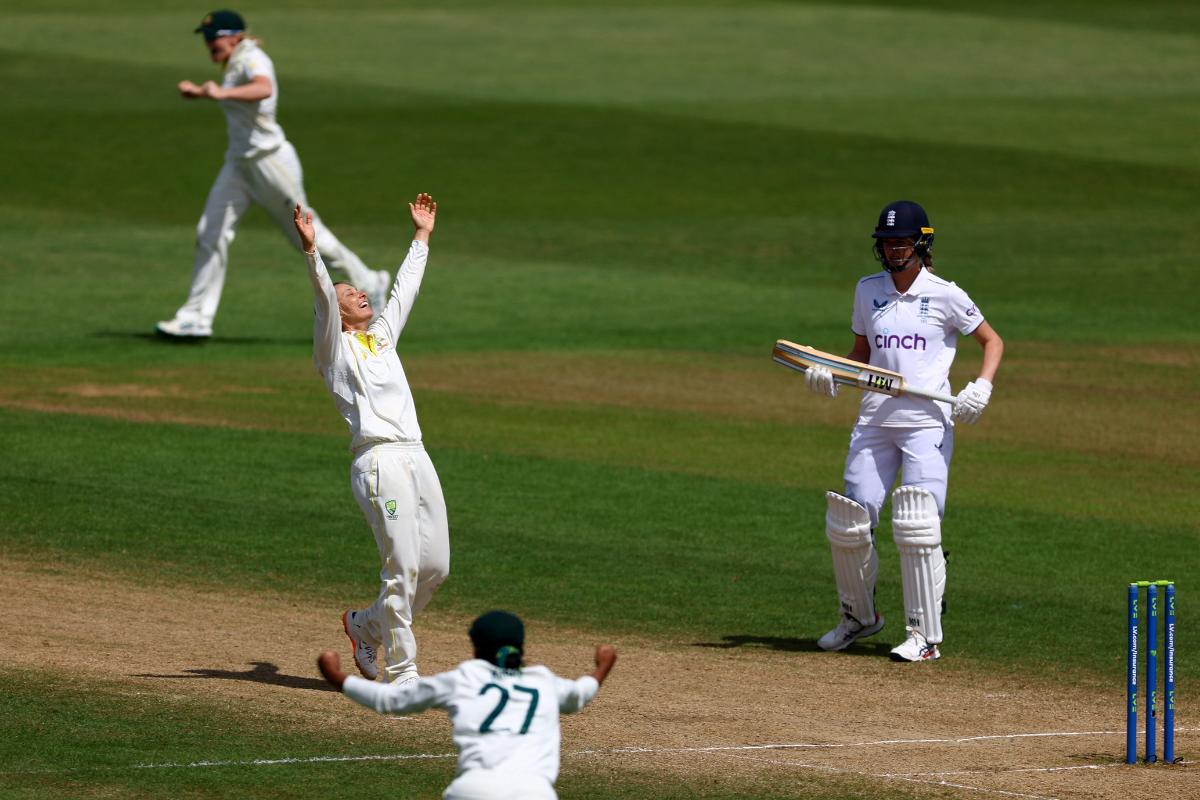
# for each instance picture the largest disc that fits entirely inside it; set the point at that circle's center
(820, 381)
(972, 400)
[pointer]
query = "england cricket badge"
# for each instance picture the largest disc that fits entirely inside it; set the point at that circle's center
(390, 505)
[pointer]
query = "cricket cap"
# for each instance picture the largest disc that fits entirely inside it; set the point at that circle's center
(221, 23)
(902, 219)
(497, 629)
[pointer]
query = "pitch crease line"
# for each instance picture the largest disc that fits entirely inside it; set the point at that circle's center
(837, 745)
(1007, 771)
(647, 750)
(269, 762)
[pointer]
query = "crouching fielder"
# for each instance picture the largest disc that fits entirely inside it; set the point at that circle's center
(504, 715)
(391, 475)
(908, 320)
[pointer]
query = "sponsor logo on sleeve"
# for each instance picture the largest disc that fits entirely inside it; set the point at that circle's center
(972, 311)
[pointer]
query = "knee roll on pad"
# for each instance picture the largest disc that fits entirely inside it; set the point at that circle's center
(917, 529)
(915, 519)
(855, 562)
(847, 523)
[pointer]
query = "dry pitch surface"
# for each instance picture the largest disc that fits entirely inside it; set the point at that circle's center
(741, 714)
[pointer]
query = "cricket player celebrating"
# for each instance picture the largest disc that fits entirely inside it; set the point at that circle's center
(905, 319)
(504, 715)
(391, 476)
(261, 166)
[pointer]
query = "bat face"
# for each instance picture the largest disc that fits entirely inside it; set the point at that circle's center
(851, 373)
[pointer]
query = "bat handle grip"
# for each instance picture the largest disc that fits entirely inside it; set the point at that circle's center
(944, 398)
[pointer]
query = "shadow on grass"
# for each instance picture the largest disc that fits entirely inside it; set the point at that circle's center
(789, 644)
(263, 672)
(212, 341)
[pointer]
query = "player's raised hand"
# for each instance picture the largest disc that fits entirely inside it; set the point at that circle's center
(331, 668)
(190, 90)
(304, 227)
(424, 215)
(606, 656)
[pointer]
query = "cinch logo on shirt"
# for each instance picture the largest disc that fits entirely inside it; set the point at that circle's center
(913, 341)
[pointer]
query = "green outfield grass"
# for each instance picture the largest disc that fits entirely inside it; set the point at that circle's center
(636, 200)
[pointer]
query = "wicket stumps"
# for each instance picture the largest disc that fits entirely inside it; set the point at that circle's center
(1131, 711)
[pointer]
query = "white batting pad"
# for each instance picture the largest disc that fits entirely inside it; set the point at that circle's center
(855, 562)
(917, 530)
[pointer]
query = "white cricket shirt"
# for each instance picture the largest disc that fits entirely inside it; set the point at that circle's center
(253, 130)
(502, 720)
(916, 334)
(362, 370)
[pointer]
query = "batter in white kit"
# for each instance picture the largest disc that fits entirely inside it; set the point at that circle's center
(905, 319)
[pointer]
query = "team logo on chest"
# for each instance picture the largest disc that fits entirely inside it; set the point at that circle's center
(923, 310)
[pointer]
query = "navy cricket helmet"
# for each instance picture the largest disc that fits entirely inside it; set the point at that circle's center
(903, 219)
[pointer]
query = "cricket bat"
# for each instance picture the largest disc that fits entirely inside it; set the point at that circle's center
(850, 373)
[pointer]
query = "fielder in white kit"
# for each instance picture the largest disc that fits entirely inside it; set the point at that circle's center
(391, 475)
(908, 320)
(504, 715)
(261, 166)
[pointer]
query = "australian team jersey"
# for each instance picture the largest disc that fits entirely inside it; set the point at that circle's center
(503, 720)
(916, 334)
(252, 128)
(361, 368)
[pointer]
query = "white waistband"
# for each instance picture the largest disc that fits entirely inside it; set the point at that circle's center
(362, 448)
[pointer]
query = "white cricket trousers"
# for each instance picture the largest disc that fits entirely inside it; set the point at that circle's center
(877, 454)
(275, 181)
(399, 493)
(491, 784)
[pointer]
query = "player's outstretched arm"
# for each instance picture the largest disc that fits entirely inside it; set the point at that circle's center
(304, 227)
(331, 668)
(424, 215)
(190, 90)
(606, 656)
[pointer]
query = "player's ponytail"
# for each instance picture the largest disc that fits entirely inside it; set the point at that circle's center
(508, 658)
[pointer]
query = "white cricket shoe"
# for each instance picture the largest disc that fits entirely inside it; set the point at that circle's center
(378, 294)
(183, 329)
(848, 631)
(914, 648)
(364, 654)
